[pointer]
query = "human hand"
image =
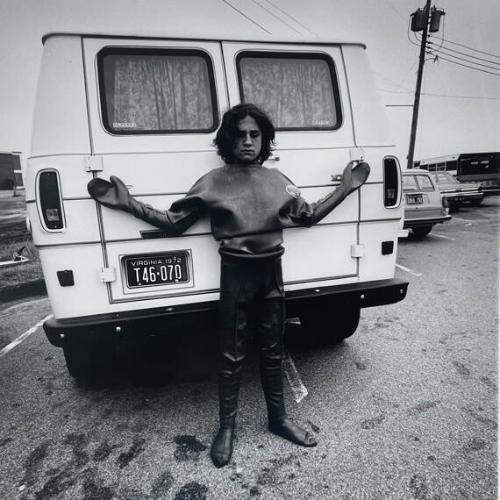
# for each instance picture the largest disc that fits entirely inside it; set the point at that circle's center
(112, 194)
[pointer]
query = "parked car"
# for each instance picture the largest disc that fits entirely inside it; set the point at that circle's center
(458, 192)
(424, 205)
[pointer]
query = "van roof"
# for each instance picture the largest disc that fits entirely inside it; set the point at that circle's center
(280, 40)
(230, 20)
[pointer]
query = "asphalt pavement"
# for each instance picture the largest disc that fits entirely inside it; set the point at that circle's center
(406, 408)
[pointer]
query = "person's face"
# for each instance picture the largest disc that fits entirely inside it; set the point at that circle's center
(248, 142)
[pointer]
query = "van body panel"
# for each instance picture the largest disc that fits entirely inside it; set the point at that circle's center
(80, 225)
(371, 126)
(60, 119)
(72, 174)
(328, 244)
(88, 294)
(160, 173)
(310, 167)
(373, 265)
(372, 204)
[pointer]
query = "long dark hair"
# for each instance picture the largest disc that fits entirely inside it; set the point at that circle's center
(226, 135)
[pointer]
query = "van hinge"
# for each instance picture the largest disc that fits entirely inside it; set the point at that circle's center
(93, 164)
(357, 251)
(107, 274)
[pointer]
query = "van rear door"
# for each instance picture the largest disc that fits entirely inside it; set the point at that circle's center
(304, 90)
(154, 106)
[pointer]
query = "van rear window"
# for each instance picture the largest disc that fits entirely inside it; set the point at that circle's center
(298, 91)
(146, 91)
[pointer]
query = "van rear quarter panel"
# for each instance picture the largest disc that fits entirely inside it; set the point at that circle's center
(371, 127)
(60, 119)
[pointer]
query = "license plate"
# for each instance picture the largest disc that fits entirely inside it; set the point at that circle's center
(155, 270)
(414, 199)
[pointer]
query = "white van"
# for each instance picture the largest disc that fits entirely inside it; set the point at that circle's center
(146, 110)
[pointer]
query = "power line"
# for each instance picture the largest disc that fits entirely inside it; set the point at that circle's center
(467, 47)
(441, 58)
(435, 52)
(463, 54)
(443, 95)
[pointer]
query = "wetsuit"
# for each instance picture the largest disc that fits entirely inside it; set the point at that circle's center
(248, 206)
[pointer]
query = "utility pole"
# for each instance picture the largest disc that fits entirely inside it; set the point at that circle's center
(420, 22)
(416, 102)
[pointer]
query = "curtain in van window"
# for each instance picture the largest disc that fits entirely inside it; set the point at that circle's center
(162, 92)
(295, 92)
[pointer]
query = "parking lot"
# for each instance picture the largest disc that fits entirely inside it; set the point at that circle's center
(406, 408)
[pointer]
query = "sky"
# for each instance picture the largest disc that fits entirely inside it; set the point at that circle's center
(459, 108)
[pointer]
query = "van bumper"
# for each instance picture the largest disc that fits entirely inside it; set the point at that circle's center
(160, 320)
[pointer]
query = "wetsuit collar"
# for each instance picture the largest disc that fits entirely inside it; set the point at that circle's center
(243, 165)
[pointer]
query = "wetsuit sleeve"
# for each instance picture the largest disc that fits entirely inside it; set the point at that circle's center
(307, 214)
(181, 215)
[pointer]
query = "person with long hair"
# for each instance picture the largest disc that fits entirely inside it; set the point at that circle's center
(248, 206)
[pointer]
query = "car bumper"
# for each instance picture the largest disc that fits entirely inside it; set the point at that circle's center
(458, 197)
(425, 221)
(163, 320)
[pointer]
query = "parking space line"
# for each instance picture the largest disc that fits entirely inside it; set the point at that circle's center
(298, 388)
(441, 236)
(467, 221)
(403, 268)
(23, 336)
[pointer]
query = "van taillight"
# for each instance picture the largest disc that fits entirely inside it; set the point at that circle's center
(50, 200)
(391, 183)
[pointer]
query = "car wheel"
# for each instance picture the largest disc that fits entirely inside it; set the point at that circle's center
(330, 325)
(421, 232)
(86, 359)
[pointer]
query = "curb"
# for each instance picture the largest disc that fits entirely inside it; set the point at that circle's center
(28, 289)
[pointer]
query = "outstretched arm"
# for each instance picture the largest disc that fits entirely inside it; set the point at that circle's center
(114, 194)
(353, 177)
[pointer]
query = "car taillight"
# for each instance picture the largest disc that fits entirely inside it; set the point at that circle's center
(49, 199)
(446, 205)
(392, 182)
